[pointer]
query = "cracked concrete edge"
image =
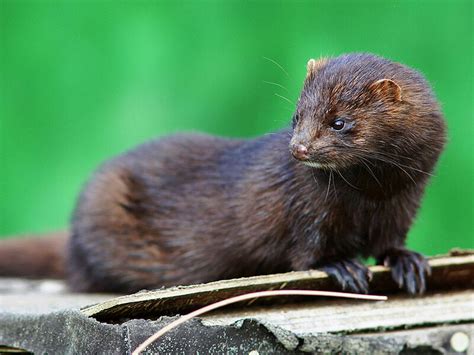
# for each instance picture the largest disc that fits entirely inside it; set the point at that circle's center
(194, 337)
(325, 343)
(62, 332)
(70, 332)
(287, 338)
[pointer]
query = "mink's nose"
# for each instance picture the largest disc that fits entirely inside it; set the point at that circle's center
(299, 151)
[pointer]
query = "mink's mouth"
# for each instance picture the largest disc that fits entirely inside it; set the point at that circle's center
(317, 159)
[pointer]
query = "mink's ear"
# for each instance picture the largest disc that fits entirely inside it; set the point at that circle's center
(314, 65)
(386, 89)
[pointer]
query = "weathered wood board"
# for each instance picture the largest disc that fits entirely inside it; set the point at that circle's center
(448, 273)
(400, 312)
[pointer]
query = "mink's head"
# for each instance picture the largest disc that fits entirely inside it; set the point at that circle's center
(359, 107)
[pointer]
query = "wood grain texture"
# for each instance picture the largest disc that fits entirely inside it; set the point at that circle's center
(448, 273)
(399, 312)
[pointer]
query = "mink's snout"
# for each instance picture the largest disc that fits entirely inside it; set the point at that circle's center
(299, 151)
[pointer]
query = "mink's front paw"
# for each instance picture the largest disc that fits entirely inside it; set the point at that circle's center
(409, 269)
(350, 274)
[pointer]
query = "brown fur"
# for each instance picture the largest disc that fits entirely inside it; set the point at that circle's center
(34, 257)
(196, 208)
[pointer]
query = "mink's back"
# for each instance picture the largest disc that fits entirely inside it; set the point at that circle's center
(182, 209)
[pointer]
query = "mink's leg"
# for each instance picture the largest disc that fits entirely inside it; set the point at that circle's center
(409, 269)
(351, 274)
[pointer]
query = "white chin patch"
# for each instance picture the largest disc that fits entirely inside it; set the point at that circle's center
(319, 165)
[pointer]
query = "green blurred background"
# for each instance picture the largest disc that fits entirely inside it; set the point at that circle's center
(83, 81)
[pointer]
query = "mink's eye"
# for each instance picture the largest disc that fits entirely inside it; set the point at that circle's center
(296, 118)
(338, 124)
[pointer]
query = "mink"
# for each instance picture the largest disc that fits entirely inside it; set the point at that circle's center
(343, 182)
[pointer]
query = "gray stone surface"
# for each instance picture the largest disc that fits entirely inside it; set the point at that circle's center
(42, 317)
(64, 332)
(70, 332)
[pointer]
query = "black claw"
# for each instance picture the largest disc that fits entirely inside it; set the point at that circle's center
(420, 266)
(410, 283)
(369, 275)
(360, 274)
(353, 286)
(427, 268)
(409, 269)
(421, 282)
(350, 274)
(362, 286)
(397, 273)
(334, 272)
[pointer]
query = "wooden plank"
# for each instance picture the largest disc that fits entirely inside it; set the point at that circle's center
(355, 317)
(448, 272)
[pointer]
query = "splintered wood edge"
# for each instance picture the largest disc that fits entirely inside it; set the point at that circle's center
(454, 271)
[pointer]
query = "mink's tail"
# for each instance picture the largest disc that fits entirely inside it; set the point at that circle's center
(34, 257)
